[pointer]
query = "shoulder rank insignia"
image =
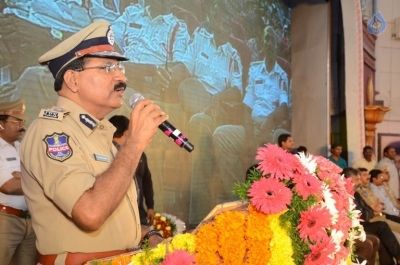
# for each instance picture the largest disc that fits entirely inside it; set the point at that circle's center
(87, 121)
(58, 147)
(54, 114)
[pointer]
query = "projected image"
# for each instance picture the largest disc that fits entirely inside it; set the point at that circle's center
(219, 68)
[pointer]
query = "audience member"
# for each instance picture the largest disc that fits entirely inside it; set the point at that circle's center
(17, 238)
(385, 184)
(390, 248)
(285, 141)
(142, 176)
(375, 203)
(367, 161)
(377, 179)
(265, 108)
(152, 38)
(389, 153)
(367, 249)
(336, 151)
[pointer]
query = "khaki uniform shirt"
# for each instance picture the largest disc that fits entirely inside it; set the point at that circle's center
(62, 153)
(368, 195)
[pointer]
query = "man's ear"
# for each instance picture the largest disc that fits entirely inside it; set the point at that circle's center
(1, 127)
(70, 80)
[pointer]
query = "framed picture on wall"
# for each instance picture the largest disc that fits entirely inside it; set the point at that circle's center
(385, 139)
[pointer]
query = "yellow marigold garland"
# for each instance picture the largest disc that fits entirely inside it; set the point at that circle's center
(183, 242)
(281, 244)
(231, 227)
(207, 245)
(150, 256)
(258, 237)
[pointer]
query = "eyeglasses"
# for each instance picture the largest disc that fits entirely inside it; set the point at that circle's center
(20, 122)
(112, 67)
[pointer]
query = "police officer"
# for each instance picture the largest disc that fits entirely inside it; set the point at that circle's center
(151, 37)
(212, 73)
(266, 107)
(79, 191)
(17, 240)
(151, 34)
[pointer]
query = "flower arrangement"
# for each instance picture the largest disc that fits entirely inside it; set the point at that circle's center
(164, 225)
(168, 225)
(313, 202)
(295, 209)
(178, 251)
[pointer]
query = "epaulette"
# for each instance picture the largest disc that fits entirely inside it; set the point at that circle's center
(53, 114)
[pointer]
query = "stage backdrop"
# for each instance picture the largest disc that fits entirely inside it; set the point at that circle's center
(229, 72)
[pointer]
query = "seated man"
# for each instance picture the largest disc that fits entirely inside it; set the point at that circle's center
(375, 203)
(390, 246)
(211, 73)
(265, 109)
(151, 37)
(377, 179)
(385, 184)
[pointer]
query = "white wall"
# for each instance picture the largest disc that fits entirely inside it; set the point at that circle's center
(388, 68)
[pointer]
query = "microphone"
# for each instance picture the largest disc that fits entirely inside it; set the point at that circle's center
(167, 128)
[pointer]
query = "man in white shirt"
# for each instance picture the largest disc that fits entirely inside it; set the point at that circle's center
(17, 240)
(367, 161)
(377, 179)
(389, 154)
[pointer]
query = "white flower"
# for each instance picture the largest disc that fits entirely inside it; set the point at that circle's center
(308, 162)
(337, 237)
(329, 203)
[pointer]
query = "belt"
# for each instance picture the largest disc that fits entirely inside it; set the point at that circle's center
(78, 258)
(19, 213)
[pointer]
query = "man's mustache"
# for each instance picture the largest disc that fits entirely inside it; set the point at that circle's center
(22, 130)
(120, 85)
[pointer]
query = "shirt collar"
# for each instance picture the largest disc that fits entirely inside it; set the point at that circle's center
(3, 143)
(264, 68)
(87, 122)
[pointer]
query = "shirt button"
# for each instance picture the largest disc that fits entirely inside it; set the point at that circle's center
(101, 127)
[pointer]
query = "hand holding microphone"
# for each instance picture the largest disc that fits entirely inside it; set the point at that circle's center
(166, 127)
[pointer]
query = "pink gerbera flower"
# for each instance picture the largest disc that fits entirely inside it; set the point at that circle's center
(276, 161)
(324, 165)
(313, 223)
(307, 185)
(269, 195)
(321, 252)
(349, 186)
(179, 257)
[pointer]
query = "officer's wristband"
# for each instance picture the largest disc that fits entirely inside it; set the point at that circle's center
(150, 234)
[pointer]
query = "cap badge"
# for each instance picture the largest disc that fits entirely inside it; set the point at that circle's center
(110, 36)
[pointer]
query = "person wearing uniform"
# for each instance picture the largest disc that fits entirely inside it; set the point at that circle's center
(265, 106)
(17, 240)
(215, 76)
(79, 190)
(364, 190)
(151, 37)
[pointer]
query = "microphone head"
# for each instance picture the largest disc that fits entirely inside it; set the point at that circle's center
(134, 99)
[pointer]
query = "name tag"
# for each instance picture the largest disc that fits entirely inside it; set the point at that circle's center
(11, 158)
(102, 158)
